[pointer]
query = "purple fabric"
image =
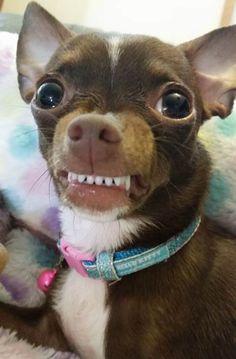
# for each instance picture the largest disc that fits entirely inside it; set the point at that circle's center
(50, 220)
(18, 291)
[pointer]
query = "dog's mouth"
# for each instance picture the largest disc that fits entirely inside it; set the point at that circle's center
(101, 192)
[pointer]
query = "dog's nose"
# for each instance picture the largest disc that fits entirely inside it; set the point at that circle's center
(94, 129)
(94, 134)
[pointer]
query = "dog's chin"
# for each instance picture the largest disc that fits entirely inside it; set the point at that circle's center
(98, 216)
(103, 202)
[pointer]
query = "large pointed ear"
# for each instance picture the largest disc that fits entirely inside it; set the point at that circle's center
(213, 57)
(40, 36)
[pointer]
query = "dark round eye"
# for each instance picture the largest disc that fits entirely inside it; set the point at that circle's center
(174, 105)
(49, 95)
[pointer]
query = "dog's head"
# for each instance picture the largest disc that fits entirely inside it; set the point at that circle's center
(118, 116)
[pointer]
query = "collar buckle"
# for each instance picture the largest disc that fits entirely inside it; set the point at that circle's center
(105, 266)
(75, 257)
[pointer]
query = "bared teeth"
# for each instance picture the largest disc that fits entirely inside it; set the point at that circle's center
(117, 181)
(90, 180)
(72, 177)
(81, 178)
(98, 180)
(108, 181)
(123, 181)
(127, 183)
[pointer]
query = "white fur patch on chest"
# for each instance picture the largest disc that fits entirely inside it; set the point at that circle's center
(94, 236)
(81, 305)
(81, 302)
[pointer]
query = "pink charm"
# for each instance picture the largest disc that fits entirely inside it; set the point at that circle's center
(74, 257)
(46, 278)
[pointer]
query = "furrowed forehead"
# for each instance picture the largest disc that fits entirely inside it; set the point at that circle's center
(146, 59)
(114, 61)
(83, 59)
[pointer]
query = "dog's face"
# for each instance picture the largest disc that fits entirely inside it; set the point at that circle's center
(118, 116)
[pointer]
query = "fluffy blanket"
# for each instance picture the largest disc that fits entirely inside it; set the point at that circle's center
(31, 197)
(13, 348)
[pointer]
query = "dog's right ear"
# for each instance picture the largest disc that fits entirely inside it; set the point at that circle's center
(213, 59)
(40, 36)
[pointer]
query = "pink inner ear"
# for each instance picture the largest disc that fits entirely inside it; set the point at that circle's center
(218, 92)
(213, 57)
(26, 88)
(215, 93)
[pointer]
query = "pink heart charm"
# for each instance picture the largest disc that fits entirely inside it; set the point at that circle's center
(46, 278)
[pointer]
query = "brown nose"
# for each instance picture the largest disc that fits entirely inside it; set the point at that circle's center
(93, 134)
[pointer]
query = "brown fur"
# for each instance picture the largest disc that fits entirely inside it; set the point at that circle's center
(40, 326)
(184, 308)
(186, 313)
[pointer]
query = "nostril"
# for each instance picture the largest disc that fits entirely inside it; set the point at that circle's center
(75, 132)
(110, 135)
(88, 129)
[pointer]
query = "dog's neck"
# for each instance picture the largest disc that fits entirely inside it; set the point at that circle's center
(111, 266)
(93, 236)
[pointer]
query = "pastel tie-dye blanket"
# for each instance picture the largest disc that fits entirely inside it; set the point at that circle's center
(23, 172)
(31, 197)
(26, 187)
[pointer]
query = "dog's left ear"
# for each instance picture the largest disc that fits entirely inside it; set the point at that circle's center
(213, 57)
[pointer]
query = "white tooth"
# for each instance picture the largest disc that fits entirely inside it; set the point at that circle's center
(76, 178)
(72, 177)
(90, 180)
(122, 181)
(117, 181)
(69, 176)
(98, 180)
(85, 180)
(127, 183)
(108, 181)
(81, 178)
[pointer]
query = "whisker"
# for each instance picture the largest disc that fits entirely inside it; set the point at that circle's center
(156, 125)
(26, 133)
(175, 145)
(74, 219)
(175, 187)
(38, 179)
(49, 188)
(167, 140)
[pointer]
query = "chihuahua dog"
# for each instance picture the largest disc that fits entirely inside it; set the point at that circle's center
(118, 116)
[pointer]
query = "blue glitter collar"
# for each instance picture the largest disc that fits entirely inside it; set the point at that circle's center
(112, 266)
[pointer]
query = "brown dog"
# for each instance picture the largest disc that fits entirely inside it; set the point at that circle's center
(118, 119)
